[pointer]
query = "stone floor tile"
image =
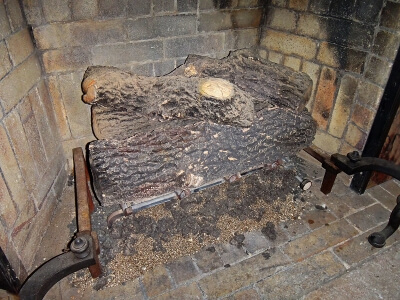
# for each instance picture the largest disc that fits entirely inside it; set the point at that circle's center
(296, 227)
(319, 240)
(208, 259)
(369, 217)
(383, 196)
(281, 237)
(53, 294)
(250, 294)
(337, 206)
(376, 279)
(358, 248)
(228, 280)
(303, 277)
(339, 188)
(230, 253)
(317, 218)
(182, 269)
(156, 281)
(392, 186)
(129, 290)
(187, 292)
(255, 241)
(309, 166)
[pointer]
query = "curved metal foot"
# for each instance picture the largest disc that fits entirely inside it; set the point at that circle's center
(378, 239)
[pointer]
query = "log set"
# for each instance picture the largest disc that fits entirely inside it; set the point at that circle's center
(206, 120)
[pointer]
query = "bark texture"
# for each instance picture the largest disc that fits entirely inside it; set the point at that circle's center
(209, 119)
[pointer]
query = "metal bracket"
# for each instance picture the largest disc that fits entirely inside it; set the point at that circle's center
(84, 248)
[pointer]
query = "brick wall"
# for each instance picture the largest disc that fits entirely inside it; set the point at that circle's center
(32, 163)
(148, 37)
(346, 47)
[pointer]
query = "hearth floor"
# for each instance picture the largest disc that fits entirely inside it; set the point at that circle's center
(321, 255)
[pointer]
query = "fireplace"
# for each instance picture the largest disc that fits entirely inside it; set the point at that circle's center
(346, 47)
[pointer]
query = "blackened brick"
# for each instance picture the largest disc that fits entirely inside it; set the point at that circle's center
(163, 5)
(368, 11)
(168, 26)
(114, 8)
(84, 9)
(378, 71)
(342, 8)
(140, 29)
(56, 10)
(4, 25)
(163, 67)
(320, 6)
(390, 15)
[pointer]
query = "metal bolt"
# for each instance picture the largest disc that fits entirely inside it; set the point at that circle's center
(305, 184)
(354, 156)
(80, 247)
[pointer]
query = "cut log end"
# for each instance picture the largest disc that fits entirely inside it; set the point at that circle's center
(216, 88)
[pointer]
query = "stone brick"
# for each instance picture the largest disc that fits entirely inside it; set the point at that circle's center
(369, 94)
(246, 294)
(16, 85)
(47, 178)
(241, 38)
(296, 228)
(368, 11)
(292, 62)
(386, 44)
(378, 71)
(304, 277)
(169, 26)
(215, 21)
(313, 70)
(50, 142)
(390, 15)
(320, 6)
(289, 44)
(163, 6)
(82, 10)
(5, 28)
(346, 148)
(317, 218)
(356, 201)
(138, 8)
(156, 281)
(112, 9)
(383, 196)
(319, 240)
(68, 59)
(255, 241)
(59, 109)
(188, 292)
(392, 187)
(182, 269)
(22, 149)
(362, 117)
(248, 3)
(33, 12)
(230, 253)
(355, 137)
(263, 53)
(163, 67)
(60, 180)
(5, 65)
(131, 52)
(15, 14)
(374, 279)
(324, 97)
(78, 113)
(358, 249)
(340, 57)
(83, 33)
(8, 211)
(369, 217)
(283, 19)
(187, 6)
(201, 44)
(312, 25)
(298, 4)
(56, 10)
(208, 259)
(342, 109)
(20, 46)
(249, 271)
(32, 134)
